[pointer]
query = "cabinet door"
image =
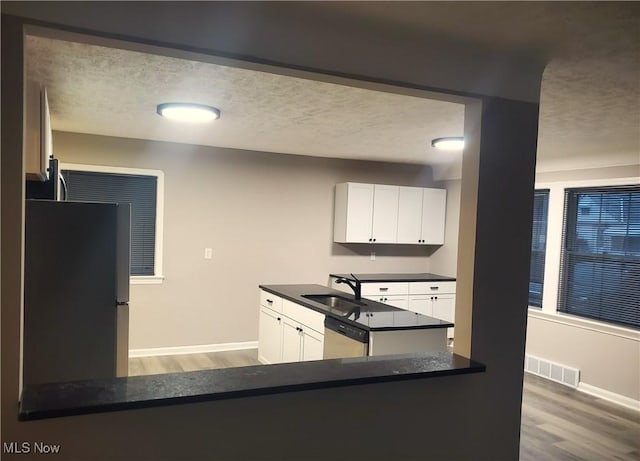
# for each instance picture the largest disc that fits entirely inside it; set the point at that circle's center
(444, 308)
(434, 204)
(35, 146)
(410, 215)
(291, 340)
(385, 214)
(421, 304)
(359, 212)
(401, 302)
(269, 336)
(312, 344)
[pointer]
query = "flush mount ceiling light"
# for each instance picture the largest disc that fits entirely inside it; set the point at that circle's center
(188, 112)
(450, 143)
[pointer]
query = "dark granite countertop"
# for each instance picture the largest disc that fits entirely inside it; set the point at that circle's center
(370, 316)
(85, 397)
(421, 277)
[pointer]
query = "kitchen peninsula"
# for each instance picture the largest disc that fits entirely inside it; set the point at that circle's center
(297, 321)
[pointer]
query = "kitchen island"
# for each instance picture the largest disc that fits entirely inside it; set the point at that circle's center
(292, 324)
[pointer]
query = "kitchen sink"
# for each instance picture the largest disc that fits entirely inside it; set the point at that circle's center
(337, 304)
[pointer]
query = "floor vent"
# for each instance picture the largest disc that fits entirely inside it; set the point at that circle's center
(551, 370)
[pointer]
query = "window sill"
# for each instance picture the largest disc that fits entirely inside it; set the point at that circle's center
(146, 279)
(84, 397)
(585, 324)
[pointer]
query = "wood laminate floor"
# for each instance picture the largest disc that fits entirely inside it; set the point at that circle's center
(558, 423)
(192, 362)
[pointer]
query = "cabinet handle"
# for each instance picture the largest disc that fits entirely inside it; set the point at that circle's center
(279, 319)
(384, 289)
(374, 240)
(370, 239)
(434, 288)
(270, 301)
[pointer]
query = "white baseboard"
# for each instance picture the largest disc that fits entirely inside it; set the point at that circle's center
(610, 396)
(197, 349)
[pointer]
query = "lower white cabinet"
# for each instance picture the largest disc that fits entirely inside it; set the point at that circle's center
(300, 343)
(440, 306)
(435, 299)
(399, 301)
(288, 338)
(270, 336)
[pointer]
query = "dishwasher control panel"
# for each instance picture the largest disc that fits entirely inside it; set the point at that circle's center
(347, 330)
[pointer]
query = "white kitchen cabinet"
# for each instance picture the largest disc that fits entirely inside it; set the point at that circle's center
(434, 206)
(288, 332)
(398, 301)
(300, 342)
(376, 213)
(353, 213)
(422, 304)
(435, 299)
(444, 307)
(270, 336)
(385, 214)
(421, 215)
(365, 213)
(37, 132)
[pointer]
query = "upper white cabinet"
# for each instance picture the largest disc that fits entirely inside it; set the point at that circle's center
(353, 213)
(421, 215)
(375, 213)
(36, 132)
(366, 213)
(385, 214)
(434, 207)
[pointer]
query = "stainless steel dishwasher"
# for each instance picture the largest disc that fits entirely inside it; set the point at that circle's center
(342, 340)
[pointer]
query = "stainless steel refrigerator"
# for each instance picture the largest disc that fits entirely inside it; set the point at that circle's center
(76, 293)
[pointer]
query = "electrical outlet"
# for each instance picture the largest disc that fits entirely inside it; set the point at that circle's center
(373, 256)
(208, 253)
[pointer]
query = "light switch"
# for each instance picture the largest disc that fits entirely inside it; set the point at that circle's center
(208, 253)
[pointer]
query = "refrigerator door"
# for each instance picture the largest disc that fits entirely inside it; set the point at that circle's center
(122, 340)
(70, 310)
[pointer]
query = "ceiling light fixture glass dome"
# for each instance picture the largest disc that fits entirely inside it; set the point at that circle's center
(188, 112)
(449, 143)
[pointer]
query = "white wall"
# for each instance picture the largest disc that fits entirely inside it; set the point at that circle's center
(268, 218)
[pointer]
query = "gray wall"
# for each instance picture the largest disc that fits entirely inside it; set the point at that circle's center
(463, 417)
(268, 218)
(608, 357)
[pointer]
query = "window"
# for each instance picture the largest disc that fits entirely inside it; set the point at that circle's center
(600, 268)
(141, 189)
(538, 247)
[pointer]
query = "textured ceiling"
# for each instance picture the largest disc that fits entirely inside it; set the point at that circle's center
(590, 96)
(114, 92)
